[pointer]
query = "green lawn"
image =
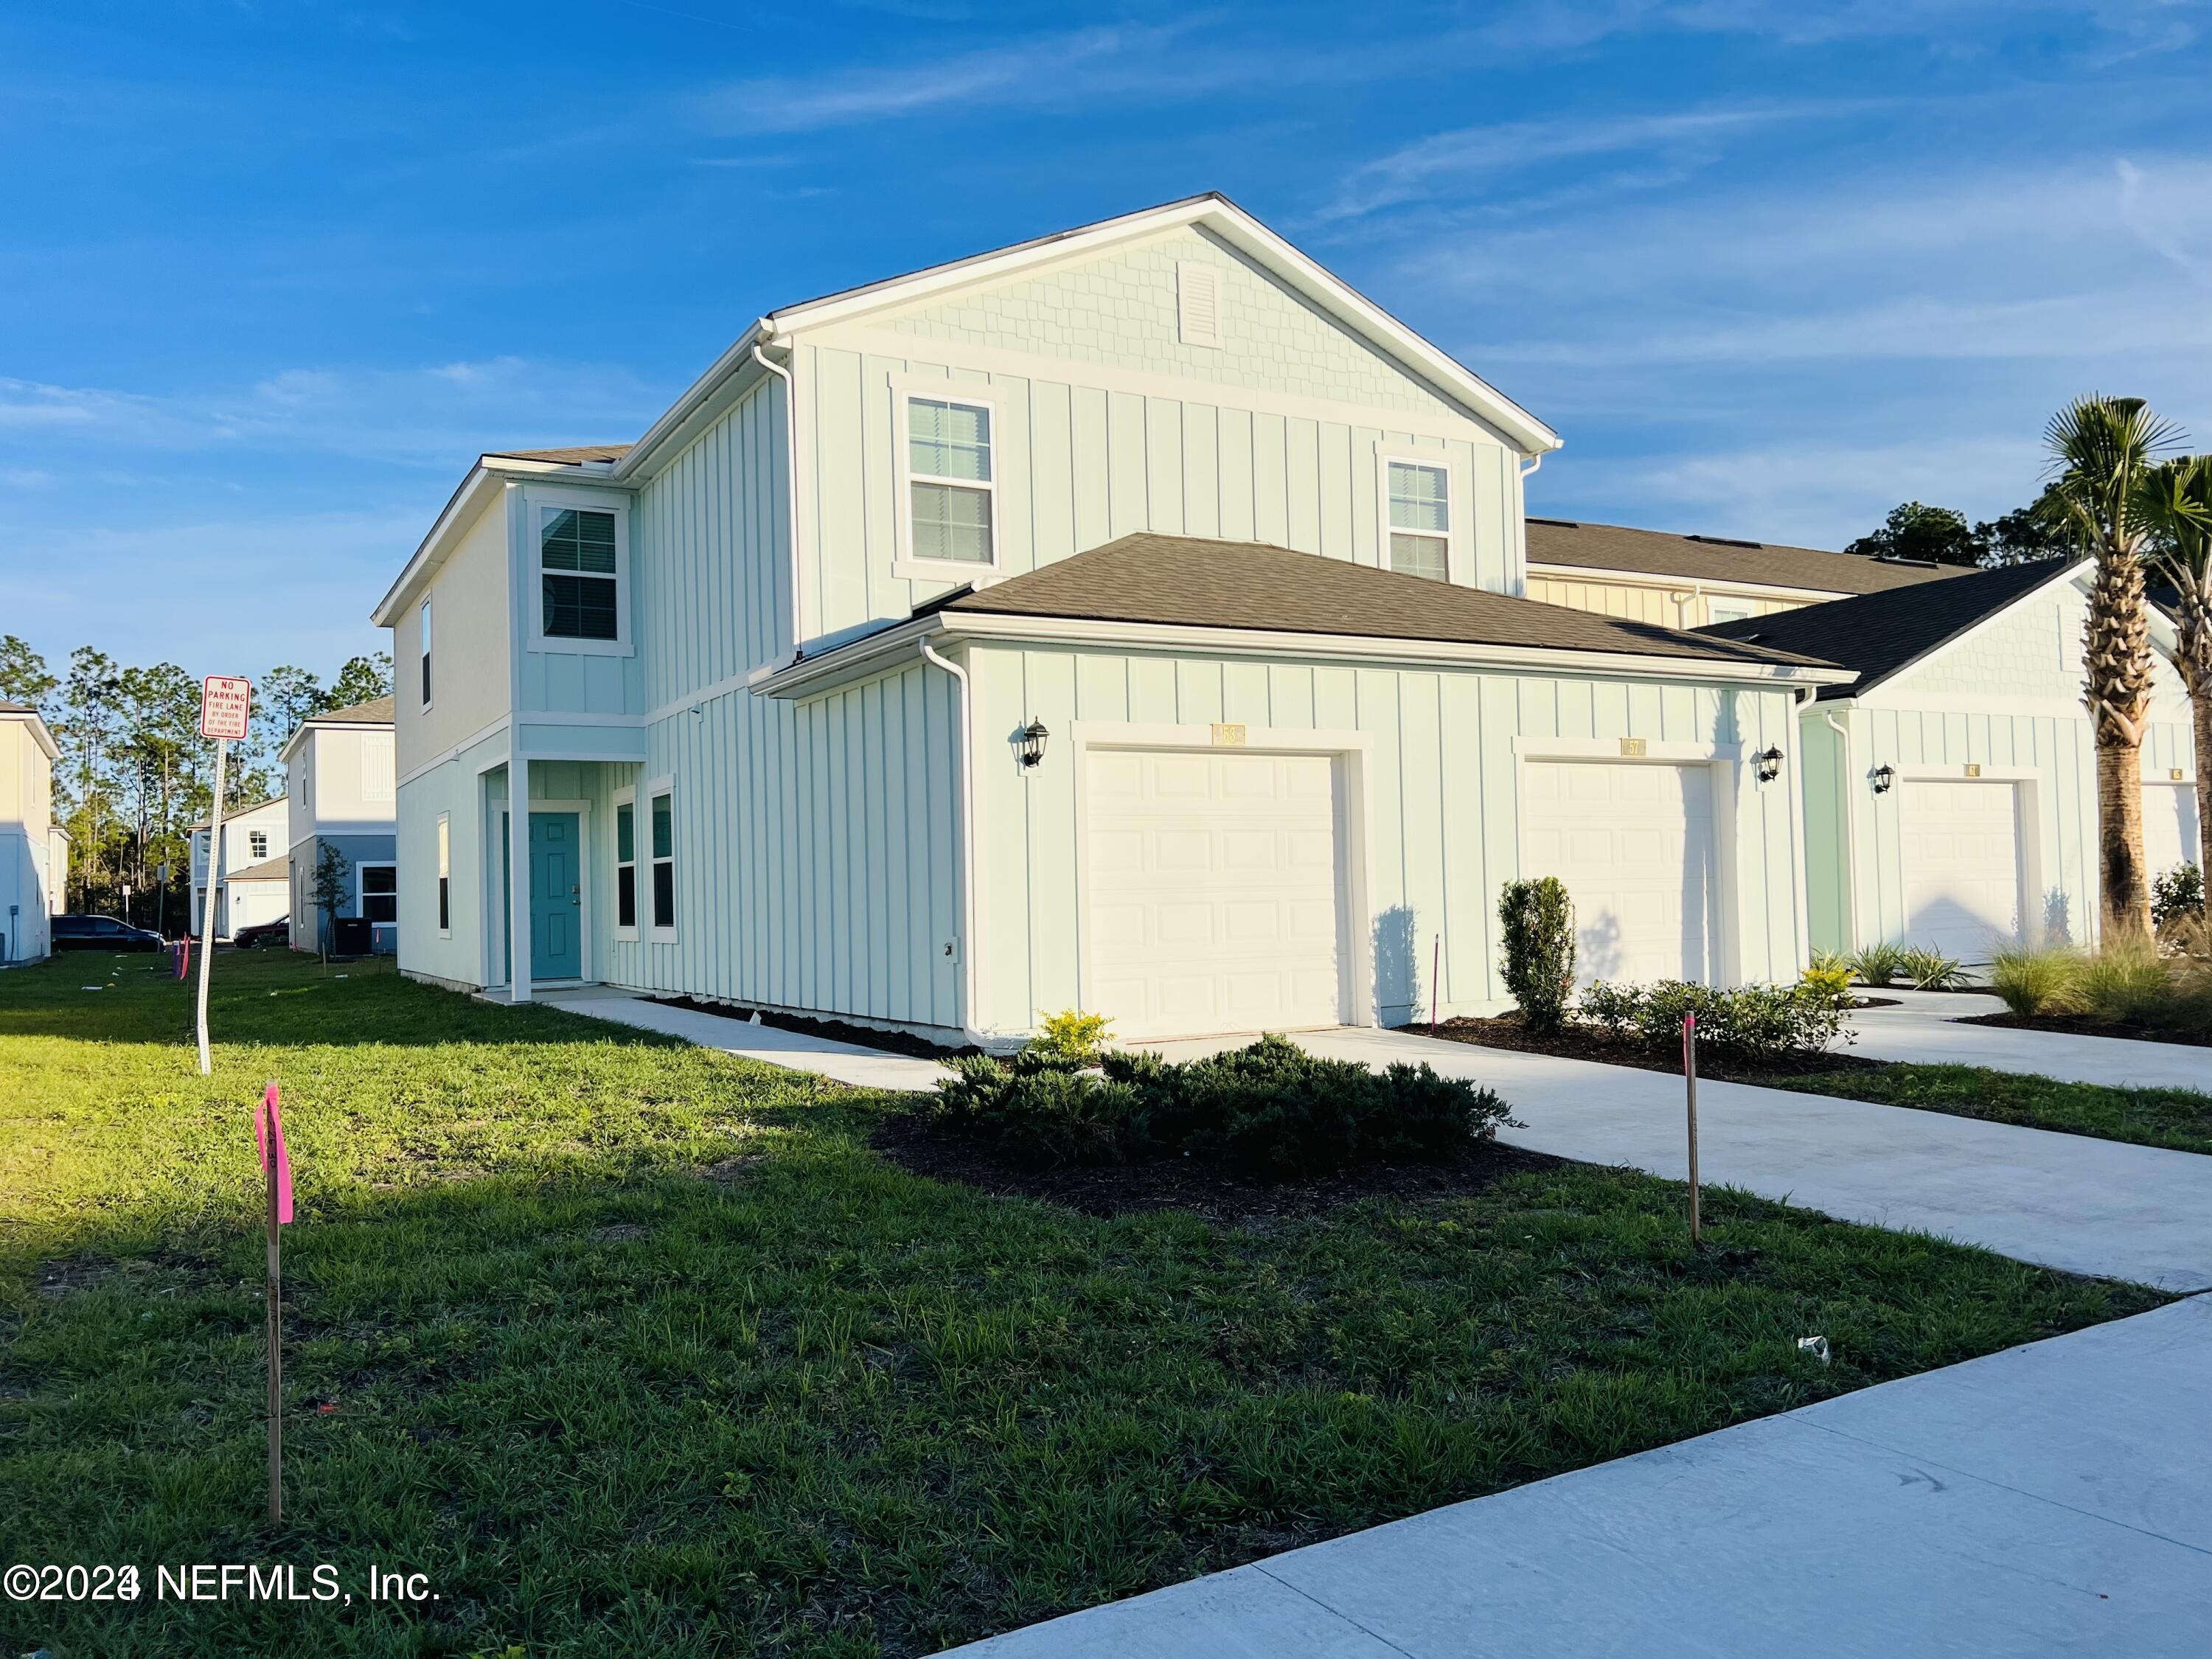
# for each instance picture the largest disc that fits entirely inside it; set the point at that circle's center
(632, 1347)
(2178, 1118)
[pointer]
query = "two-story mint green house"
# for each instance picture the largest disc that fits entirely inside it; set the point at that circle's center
(1131, 620)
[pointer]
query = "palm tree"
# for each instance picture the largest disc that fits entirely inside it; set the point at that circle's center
(2102, 448)
(2174, 509)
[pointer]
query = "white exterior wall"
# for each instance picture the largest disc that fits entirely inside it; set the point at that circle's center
(2006, 698)
(1441, 779)
(32, 856)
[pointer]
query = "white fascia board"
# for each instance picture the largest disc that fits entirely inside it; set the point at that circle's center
(1240, 230)
(40, 735)
(865, 657)
(1729, 585)
(699, 401)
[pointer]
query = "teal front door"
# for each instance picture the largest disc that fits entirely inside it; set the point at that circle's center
(556, 898)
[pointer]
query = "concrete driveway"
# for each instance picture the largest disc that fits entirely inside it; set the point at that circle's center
(1924, 1027)
(2053, 1500)
(2069, 1201)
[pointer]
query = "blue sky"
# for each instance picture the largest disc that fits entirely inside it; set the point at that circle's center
(271, 274)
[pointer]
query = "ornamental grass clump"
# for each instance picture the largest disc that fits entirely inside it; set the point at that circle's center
(2036, 980)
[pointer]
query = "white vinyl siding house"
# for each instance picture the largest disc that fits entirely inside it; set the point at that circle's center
(34, 850)
(786, 754)
(247, 892)
(340, 777)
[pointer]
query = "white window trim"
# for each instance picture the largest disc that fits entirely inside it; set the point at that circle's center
(424, 667)
(360, 887)
(626, 796)
(662, 786)
(904, 389)
(259, 854)
(443, 848)
(538, 505)
(1436, 460)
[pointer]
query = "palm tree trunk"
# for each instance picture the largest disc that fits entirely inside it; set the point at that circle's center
(2193, 657)
(2116, 648)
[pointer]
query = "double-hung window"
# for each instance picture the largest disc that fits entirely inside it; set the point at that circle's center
(379, 893)
(445, 873)
(626, 864)
(579, 574)
(952, 484)
(426, 653)
(257, 844)
(663, 826)
(1420, 518)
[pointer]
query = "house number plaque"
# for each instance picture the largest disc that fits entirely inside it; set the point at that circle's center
(1228, 737)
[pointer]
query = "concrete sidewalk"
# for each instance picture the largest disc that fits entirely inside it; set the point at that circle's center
(846, 1062)
(2053, 1500)
(1925, 1028)
(2070, 1201)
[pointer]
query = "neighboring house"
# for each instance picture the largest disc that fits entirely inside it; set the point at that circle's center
(1132, 619)
(1951, 789)
(339, 775)
(252, 837)
(1688, 581)
(34, 850)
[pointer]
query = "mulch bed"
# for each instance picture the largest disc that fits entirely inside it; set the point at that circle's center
(2083, 1026)
(911, 1140)
(837, 1030)
(1589, 1042)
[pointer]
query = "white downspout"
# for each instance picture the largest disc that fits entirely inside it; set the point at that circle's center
(791, 478)
(967, 850)
(1850, 838)
(1521, 475)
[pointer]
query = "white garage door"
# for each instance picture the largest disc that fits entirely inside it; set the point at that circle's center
(2169, 825)
(1214, 892)
(1638, 849)
(1962, 857)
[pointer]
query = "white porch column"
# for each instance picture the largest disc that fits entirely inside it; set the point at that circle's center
(518, 874)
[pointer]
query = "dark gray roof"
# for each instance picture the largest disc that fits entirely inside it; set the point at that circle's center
(574, 455)
(1719, 559)
(1188, 581)
(377, 711)
(1880, 635)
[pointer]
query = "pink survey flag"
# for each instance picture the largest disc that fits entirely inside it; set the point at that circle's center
(268, 1130)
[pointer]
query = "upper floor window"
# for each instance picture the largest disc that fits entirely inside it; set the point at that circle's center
(951, 503)
(582, 578)
(425, 653)
(1420, 518)
(257, 843)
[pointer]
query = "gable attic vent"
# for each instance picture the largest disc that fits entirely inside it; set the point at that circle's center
(1198, 303)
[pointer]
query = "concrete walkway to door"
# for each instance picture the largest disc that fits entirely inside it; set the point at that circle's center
(1926, 1027)
(2051, 1500)
(2087, 1206)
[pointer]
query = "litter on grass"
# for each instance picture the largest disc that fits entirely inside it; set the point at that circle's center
(1815, 1345)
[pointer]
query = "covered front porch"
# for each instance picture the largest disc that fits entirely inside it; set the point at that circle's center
(561, 880)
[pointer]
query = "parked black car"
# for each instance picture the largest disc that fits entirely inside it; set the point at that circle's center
(103, 933)
(278, 931)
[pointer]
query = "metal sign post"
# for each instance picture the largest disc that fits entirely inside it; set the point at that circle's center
(1689, 1083)
(225, 702)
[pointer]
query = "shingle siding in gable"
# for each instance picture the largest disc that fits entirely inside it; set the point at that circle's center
(1119, 310)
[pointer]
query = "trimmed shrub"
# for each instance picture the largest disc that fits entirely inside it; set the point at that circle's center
(1072, 1036)
(1930, 970)
(2177, 894)
(1751, 1022)
(2034, 981)
(1536, 923)
(1271, 1110)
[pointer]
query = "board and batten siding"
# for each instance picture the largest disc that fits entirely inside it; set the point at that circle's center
(1635, 602)
(1079, 465)
(1442, 813)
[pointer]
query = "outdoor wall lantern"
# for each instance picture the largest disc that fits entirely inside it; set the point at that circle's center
(1031, 738)
(1884, 778)
(1769, 765)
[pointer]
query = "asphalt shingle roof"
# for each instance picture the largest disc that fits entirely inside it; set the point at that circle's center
(1190, 582)
(1880, 634)
(574, 455)
(377, 711)
(1716, 559)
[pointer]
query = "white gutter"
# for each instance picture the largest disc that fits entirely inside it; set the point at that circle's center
(791, 470)
(967, 851)
(1850, 839)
